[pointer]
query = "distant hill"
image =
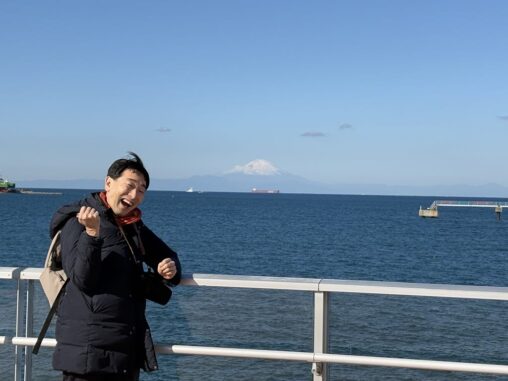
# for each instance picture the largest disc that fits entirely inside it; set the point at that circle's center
(286, 183)
(236, 182)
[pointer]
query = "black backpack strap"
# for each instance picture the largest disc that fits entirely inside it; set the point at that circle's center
(47, 322)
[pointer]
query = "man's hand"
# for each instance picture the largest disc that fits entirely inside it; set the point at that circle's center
(89, 218)
(167, 268)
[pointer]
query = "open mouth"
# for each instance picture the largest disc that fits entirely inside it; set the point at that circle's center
(126, 203)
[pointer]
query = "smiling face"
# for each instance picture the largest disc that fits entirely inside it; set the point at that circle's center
(126, 192)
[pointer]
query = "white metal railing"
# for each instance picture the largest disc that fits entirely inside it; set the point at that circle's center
(321, 288)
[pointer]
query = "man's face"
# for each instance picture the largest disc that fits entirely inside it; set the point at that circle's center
(126, 192)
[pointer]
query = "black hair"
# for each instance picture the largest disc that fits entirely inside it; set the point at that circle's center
(133, 162)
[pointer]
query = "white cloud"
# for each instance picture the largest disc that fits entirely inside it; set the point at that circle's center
(256, 167)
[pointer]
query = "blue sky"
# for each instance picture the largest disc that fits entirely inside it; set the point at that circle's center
(359, 91)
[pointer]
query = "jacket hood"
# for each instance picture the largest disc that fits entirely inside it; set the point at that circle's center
(66, 212)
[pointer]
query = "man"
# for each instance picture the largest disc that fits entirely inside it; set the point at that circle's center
(102, 333)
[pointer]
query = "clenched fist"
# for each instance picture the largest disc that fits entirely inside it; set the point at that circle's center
(90, 219)
(167, 268)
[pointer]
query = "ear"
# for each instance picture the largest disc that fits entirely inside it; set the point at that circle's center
(107, 183)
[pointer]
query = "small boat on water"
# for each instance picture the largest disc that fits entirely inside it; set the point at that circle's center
(256, 190)
(192, 190)
(7, 186)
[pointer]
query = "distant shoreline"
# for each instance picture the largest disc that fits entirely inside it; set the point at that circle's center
(286, 185)
(61, 190)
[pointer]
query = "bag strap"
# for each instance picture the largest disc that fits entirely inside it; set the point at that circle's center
(47, 322)
(128, 243)
(52, 249)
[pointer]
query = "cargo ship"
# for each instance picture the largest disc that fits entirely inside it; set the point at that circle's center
(256, 190)
(6, 186)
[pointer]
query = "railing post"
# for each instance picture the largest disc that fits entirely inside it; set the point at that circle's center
(29, 328)
(320, 370)
(19, 328)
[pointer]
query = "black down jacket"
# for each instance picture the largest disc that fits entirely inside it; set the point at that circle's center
(101, 325)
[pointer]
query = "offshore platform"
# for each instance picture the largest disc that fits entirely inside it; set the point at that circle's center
(432, 210)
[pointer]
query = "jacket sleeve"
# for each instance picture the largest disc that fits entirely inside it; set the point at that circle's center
(157, 250)
(81, 256)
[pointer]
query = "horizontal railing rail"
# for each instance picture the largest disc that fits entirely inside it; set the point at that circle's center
(313, 285)
(321, 288)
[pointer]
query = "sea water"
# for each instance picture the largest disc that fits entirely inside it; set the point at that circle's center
(378, 238)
